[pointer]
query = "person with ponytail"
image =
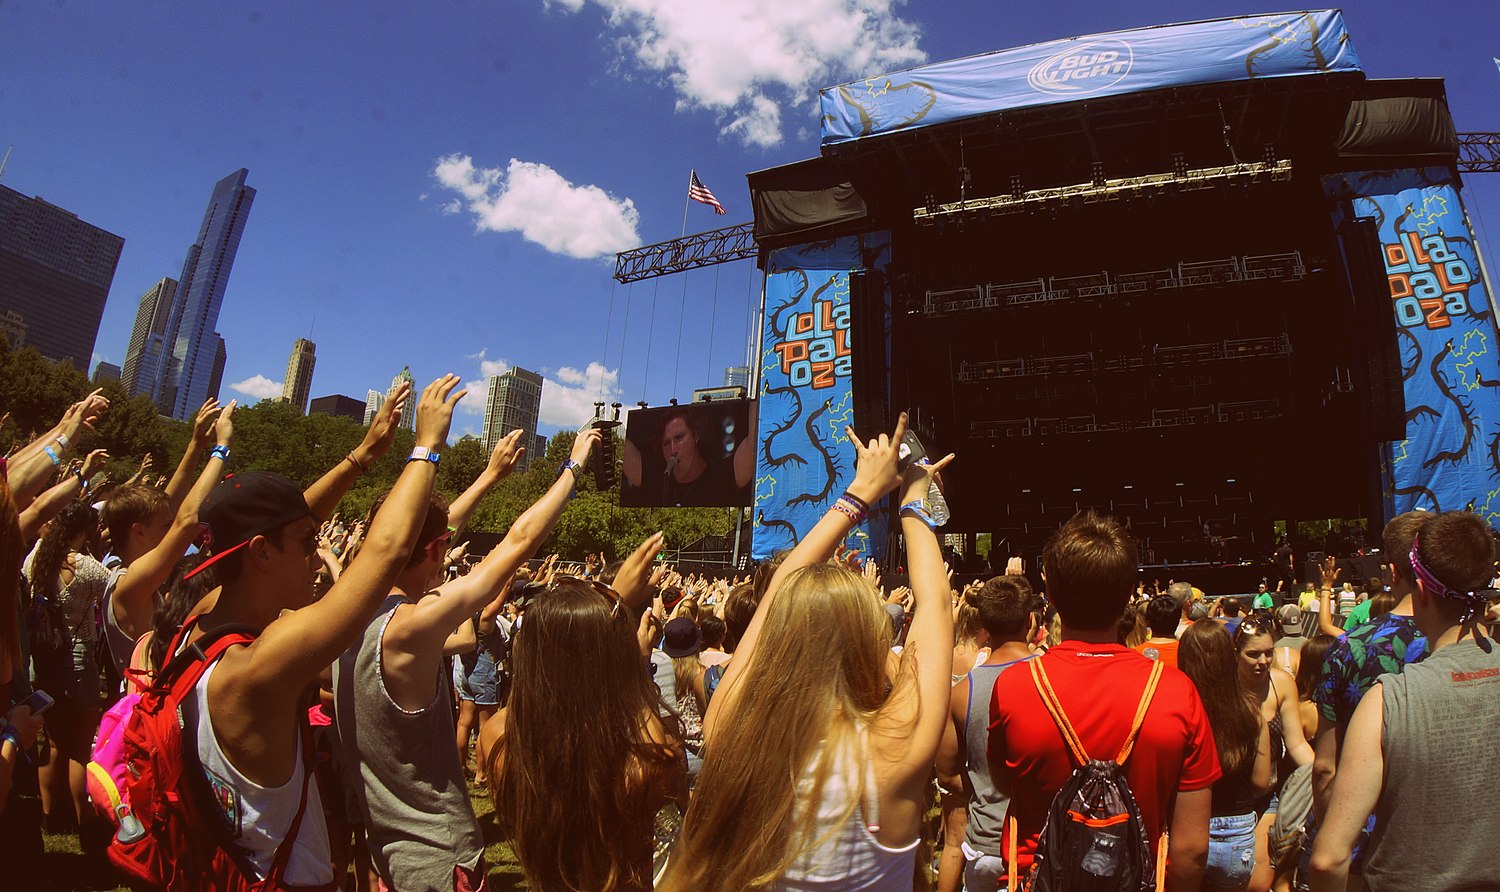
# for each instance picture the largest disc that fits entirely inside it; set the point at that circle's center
(1243, 739)
(62, 571)
(854, 728)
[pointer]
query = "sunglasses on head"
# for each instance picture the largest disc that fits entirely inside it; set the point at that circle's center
(442, 539)
(610, 595)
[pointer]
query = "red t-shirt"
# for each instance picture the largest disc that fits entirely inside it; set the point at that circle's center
(1099, 686)
(1166, 651)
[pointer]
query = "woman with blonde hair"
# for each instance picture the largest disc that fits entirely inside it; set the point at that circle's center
(859, 741)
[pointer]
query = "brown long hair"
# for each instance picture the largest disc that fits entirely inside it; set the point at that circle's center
(1207, 656)
(12, 553)
(1310, 665)
(572, 777)
(798, 710)
(46, 567)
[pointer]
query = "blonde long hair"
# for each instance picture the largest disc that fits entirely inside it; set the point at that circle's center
(818, 675)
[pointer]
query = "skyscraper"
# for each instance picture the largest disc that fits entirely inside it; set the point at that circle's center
(339, 406)
(299, 372)
(737, 376)
(374, 399)
(55, 272)
(515, 401)
(216, 374)
(142, 372)
(105, 371)
(409, 413)
(191, 341)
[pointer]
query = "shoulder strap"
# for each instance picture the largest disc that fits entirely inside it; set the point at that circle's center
(1140, 712)
(1054, 706)
(205, 650)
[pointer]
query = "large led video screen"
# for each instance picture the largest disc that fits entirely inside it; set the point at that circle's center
(700, 455)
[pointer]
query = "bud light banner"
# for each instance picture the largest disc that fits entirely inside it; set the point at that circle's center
(1237, 49)
(805, 460)
(1445, 329)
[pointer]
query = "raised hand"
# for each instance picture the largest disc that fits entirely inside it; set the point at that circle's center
(204, 423)
(507, 452)
(584, 444)
(84, 413)
(875, 471)
(1013, 567)
(640, 574)
(145, 464)
(223, 426)
(917, 479)
(871, 573)
(93, 463)
(383, 426)
(435, 411)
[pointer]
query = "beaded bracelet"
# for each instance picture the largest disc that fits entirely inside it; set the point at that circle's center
(849, 512)
(856, 501)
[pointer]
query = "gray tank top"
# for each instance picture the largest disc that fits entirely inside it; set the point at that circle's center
(1433, 824)
(409, 784)
(987, 803)
(121, 645)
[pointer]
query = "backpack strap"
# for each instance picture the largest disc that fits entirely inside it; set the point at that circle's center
(283, 855)
(1054, 706)
(1140, 712)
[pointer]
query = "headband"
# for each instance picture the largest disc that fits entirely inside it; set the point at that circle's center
(1474, 601)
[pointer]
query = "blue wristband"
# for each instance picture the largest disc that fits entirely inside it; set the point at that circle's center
(52, 454)
(219, 452)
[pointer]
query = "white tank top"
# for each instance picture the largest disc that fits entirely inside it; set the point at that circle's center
(851, 858)
(259, 817)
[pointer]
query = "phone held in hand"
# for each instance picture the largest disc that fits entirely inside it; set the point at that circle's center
(913, 452)
(38, 701)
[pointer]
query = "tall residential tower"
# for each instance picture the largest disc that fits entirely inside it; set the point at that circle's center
(192, 345)
(299, 372)
(515, 401)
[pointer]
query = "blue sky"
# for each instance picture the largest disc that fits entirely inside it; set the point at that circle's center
(444, 184)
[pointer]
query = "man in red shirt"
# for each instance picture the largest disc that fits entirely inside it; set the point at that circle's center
(1090, 571)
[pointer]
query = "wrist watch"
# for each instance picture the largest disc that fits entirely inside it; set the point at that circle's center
(422, 453)
(570, 465)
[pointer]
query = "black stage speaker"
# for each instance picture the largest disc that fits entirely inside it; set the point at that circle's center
(868, 326)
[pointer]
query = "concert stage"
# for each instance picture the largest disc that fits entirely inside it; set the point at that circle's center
(1202, 276)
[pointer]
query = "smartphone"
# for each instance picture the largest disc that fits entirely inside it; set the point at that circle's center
(39, 701)
(911, 450)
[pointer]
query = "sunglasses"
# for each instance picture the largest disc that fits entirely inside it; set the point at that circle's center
(442, 539)
(1253, 626)
(610, 595)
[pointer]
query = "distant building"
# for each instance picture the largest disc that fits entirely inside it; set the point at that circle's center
(515, 401)
(339, 406)
(737, 376)
(216, 373)
(714, 394)
(13, 326)
(55, 273)
(141, 375)
(105, 371)
(193, 348)
(408, 414)
(299, 371)
(374, 399)
(538, 450)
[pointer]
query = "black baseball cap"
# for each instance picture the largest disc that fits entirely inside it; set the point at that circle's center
(243, 506)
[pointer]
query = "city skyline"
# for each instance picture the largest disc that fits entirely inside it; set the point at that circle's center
(514, 402)
(398, 219)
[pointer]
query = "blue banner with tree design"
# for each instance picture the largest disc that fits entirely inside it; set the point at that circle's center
(805, 461)
(1445, 328)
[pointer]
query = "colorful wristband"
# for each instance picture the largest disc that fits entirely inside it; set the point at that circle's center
(52, 454)
(62, 440)
(219, 452)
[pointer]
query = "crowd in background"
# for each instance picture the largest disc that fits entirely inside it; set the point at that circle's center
(217, 676)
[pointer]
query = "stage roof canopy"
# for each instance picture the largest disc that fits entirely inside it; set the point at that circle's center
(1221, 50)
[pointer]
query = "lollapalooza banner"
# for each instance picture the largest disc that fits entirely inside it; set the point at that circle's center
(1237, 49)
(1445, 328)
(805, 461)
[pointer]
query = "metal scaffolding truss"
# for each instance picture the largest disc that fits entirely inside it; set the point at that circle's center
(689, 252)
(1479, 153)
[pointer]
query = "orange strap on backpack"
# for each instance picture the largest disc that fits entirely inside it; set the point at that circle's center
(1070, 736)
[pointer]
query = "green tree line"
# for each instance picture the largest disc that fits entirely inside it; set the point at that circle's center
(274, 436)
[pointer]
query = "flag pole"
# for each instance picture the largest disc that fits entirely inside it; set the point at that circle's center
(687, 201)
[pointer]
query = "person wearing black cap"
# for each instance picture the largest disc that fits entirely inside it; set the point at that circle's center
(248, 706)
(681, 640)
(1420, 741)
(393, 703)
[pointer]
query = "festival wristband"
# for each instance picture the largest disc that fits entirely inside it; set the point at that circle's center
(422, 453)
(220, 452)
(62, 440)
(10, 733)
(570, 465)
(848, 511)
(52, 454)
(919, 511)
(858, 502)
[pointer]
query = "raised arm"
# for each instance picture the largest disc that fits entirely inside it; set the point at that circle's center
(296, 647)
(875, 475)
(324, 496)
(1356, 790)
(203, 436)
(50, 503)
(502, 461)
(29, 469)
(134, 601)
(421, 632)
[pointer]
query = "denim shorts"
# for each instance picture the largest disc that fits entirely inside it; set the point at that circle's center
(1231, 851)
(481, 684)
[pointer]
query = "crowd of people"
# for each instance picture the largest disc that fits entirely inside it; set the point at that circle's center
(222, 683)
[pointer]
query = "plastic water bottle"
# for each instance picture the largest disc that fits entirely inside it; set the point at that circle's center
(937, 506)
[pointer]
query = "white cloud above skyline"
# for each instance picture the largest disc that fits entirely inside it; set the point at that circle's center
(744, 59)
(580, 221)
(258, 386)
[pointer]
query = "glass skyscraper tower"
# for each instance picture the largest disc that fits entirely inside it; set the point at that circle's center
(192, 345)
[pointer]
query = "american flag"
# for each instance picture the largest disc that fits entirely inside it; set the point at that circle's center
(699, 192)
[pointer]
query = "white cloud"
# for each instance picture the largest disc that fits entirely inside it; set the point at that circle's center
(478, 395)
(569, 394)
(746, 58)
(539, 203)
(258, 386)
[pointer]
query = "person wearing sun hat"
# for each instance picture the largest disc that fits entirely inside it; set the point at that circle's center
(681, 640)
